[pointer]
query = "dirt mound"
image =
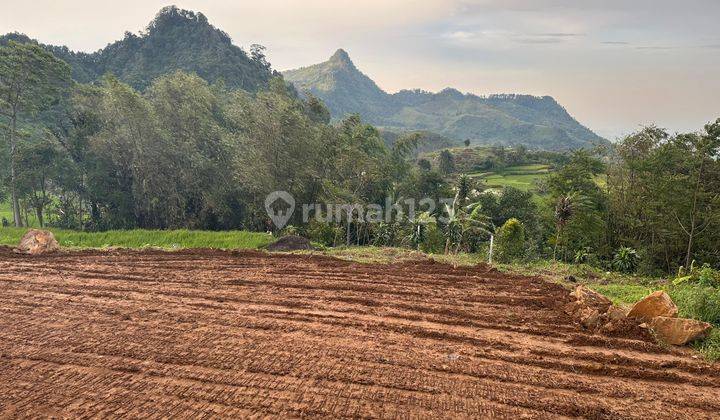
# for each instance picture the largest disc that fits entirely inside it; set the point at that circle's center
(291, 243)
(98, 334)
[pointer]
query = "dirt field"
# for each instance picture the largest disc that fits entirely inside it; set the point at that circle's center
(205, 334)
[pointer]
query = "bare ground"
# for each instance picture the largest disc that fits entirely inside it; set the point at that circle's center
(247, 334)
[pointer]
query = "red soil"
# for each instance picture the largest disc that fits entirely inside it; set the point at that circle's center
(248, 334)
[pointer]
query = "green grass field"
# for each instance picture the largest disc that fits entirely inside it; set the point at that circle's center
(6, 213)
(520, 177)
(170, 239)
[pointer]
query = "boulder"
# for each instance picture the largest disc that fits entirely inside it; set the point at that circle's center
(657, 304)
(589, 318)
(678, 331)
(37, 242)
(591, 299)
(615, 313)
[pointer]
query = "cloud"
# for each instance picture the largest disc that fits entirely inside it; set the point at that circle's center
(615, 43)
(655, 47)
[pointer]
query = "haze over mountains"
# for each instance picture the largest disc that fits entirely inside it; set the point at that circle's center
(506, 119)
(183, 40)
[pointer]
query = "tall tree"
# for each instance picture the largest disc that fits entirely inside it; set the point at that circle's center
(447, 162)
(31, 79)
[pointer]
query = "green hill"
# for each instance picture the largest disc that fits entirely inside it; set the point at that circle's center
(538, 122)
(175, 40)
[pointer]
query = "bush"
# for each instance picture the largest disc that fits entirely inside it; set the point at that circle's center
(697, 302)
(705, 276)
(625, 260)
(323, 233)
(511, 241)
(434, 241)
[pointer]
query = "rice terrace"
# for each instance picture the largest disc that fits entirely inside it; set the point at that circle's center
(406, 209)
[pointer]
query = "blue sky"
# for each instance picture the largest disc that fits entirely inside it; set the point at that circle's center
(615, 65)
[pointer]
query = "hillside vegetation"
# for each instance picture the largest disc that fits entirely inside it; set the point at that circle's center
(183, 153)
(175, 40)
(538, 122)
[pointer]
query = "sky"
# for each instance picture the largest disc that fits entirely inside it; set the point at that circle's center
(615, 65)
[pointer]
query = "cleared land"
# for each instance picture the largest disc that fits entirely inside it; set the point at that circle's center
(240, 334)
(521, 177)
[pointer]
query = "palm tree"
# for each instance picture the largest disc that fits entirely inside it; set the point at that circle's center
(566, 207)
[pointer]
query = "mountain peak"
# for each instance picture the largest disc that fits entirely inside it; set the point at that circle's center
(341, 57)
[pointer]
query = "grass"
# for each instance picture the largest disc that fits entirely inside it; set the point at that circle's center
(386, 255)
(623, 294)
(6, 212)
(167, 239)
(521, 177)
(693, 301)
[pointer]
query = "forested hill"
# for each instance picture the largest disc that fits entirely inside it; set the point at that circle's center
(175, 40)
(538, 122)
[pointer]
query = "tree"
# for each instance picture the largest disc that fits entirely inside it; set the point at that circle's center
(565, 209)
(511, 240)
(447, 162)
(664, 196)
(30, 80)
(424, 164)
(579, 205)
(467, 142)
(38, 163)
(464, 187)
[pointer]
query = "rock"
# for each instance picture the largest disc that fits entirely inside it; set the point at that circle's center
(291, 243)
(657, 304)
(615, 313)
(589, 318)
(591, 299)
(679, 331)
(38, 242)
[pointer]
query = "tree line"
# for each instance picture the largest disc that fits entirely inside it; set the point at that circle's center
(185, 153)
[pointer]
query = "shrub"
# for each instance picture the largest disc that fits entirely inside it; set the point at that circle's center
(434, 241)
(697, 302)
(510, 241)
(289, 230)
(323, 233)
(625, 260)
(705, 276)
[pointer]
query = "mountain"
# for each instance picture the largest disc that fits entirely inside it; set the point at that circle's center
(538, 122)
(175, 40)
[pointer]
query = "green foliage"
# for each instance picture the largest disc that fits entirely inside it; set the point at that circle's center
(31, 80)
(697, 302)
(625, 260)
(663, 196)
(623, 294)
(710, 347)
(705, 276)
(510, 241)
(446, 162)
(326, 234)
(175, 40)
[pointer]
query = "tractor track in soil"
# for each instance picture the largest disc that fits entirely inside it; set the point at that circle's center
(203, 333)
